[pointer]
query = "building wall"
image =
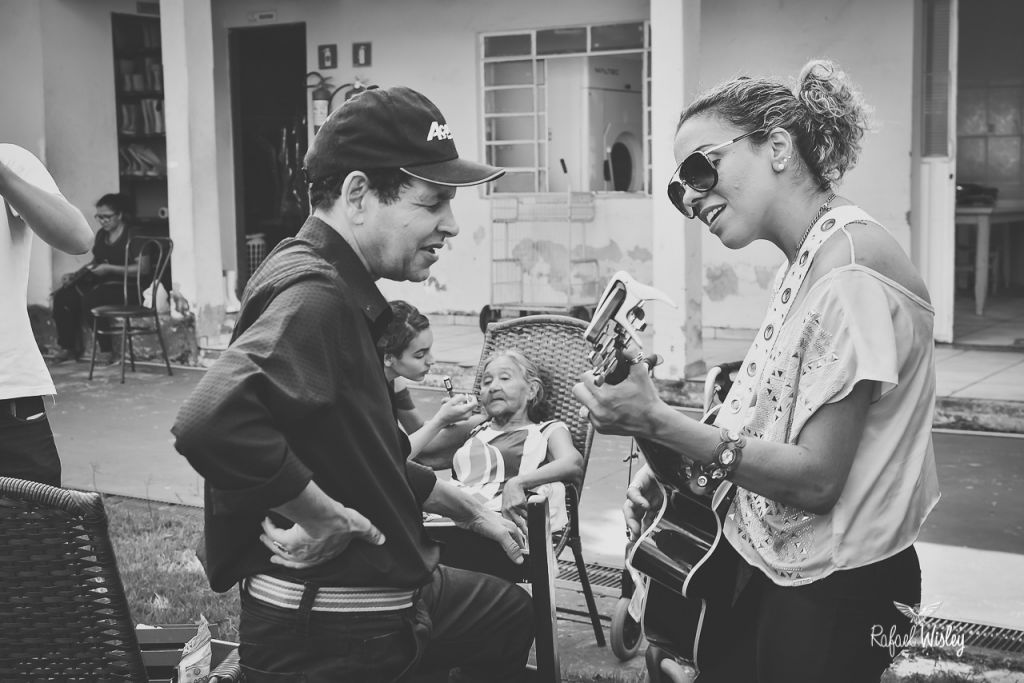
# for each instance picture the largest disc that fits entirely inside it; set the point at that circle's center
(433, 47)
(80, 114)
(21, 118)
(872, 40)
(58, 67)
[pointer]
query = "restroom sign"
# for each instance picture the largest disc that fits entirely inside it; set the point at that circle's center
(327, 56)
(362, 54)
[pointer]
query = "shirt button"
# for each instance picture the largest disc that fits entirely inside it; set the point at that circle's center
(751, 369)
(803, 257)
(734, 405)
(786, 294)
(769, 331)
(828, 225)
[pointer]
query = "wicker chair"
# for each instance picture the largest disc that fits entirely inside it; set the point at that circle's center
(556, 343)
(63, 610)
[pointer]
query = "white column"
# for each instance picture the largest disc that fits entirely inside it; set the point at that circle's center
(678, 263)
(187, 34)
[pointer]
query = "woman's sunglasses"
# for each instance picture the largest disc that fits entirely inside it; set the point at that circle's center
(698, 173)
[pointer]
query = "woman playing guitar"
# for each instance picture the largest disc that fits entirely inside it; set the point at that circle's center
(824, 441)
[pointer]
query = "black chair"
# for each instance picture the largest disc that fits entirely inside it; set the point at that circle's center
(63, 610)
(154, 255)
(557, 344)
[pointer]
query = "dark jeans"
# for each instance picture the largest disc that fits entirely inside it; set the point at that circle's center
(71, 311)
(477, 623)
(821, 631)
(27, 450)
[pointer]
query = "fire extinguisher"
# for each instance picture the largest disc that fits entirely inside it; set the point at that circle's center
(322, 96)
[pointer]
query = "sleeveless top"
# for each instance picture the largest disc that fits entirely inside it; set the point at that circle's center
(490, 457)
(853, 324)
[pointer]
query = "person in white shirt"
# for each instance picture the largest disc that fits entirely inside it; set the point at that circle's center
(826, 432)
(31, 203)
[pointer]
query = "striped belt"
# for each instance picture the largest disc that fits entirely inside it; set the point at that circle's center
(288, 594)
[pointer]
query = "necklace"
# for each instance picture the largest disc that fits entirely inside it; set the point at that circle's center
(821, 211)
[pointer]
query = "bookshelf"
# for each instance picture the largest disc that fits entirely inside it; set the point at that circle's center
(141, 139)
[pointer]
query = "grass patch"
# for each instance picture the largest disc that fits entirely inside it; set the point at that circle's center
(155, 547)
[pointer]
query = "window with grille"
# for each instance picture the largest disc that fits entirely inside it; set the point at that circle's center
(568, 109)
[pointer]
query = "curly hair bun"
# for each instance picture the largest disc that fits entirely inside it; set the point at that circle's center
(835, 118)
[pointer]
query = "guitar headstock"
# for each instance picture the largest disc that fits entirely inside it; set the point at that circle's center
(617, 323)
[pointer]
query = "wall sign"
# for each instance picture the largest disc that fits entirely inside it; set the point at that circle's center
(327, 56)
(362, 54)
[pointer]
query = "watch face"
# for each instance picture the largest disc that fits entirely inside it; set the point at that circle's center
(727, 457)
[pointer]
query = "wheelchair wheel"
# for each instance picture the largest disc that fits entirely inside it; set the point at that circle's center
(627, 633)
(662, 668)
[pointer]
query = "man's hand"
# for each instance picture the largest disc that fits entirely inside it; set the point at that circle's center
(502, 531)
(327, 529)
(452, 502)
(643, 495)
(513, 503)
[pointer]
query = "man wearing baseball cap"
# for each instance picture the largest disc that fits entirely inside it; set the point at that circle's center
(311, 504)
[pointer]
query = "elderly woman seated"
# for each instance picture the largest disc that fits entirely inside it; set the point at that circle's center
(505, 455)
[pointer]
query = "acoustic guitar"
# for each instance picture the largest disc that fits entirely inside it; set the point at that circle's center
(691, 568)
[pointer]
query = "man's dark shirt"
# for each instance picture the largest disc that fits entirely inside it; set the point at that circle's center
(300, 394)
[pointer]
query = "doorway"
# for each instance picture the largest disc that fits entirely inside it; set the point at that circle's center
(268, 105)
(989, 298)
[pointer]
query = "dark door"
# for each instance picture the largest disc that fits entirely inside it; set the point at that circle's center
(268, 102)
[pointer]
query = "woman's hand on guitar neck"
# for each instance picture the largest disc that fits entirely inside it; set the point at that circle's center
(642, 497)
(623, 408)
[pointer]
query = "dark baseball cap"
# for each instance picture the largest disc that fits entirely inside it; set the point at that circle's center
(392, 128)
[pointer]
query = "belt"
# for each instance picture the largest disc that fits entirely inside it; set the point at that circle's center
(288, 594)
(31, 404)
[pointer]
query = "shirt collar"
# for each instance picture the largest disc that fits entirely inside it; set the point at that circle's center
(339, 253)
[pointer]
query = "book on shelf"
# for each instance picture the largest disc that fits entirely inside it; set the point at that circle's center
(142, 161)
(145, 117)
(140, 75)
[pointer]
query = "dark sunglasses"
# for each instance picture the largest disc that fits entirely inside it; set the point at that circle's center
(698, 173)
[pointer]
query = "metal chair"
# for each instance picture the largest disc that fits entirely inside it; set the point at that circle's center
(63, 611)
(557, 344)
(154, 255)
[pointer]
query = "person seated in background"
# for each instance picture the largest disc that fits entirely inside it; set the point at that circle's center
(509, 453)
(405, 349)
(99, 282)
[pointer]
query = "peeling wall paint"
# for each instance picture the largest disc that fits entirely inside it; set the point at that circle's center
(720, 281)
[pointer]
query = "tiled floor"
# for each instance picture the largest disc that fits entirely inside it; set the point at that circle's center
(1002, 325)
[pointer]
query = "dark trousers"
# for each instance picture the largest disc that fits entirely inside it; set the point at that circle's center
(27, 450)
(476, 624)
(71, 313)
(822, 631)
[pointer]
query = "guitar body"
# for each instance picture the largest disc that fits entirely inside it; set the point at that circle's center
(692, 567)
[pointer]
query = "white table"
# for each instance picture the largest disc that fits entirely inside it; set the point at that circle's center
(983, 218)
